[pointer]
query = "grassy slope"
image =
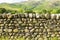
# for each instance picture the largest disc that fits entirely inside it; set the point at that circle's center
(30, 5)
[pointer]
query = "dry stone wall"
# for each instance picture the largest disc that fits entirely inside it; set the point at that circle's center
(30, 26)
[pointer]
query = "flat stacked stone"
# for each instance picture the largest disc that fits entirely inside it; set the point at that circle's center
(30, 26)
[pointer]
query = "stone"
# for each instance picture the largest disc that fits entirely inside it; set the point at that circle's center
(30, 24)
(15, 21)
(30, 15)
(48, 30)
(52, 35)
(32, 30)
(20, 22)
(1, 31)
(42, 16)
(6, 30)
(16, 25)
(48, 16)
(53, 16)
(9, 24)
(34, 21)
(59, 32)
(15, 30)
(34, 15)
(23, 24)
(58, 35)
(40, 39)
(37, 30)
(58, 38)
(45, 38)
(44, 30)
(27, 39)
(9, 30)
(1, 25)
(37, 26)
(37, 15)
(22, 15)
(9, 16)
(57, 16)
(36, 38)
(32, 38)
(26, 30)
(11, 37)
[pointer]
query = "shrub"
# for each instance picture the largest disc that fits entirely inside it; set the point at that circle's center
(2, 10)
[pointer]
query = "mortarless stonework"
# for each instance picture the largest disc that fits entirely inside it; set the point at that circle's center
(33, 26)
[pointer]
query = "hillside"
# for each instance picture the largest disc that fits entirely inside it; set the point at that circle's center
(31, 5)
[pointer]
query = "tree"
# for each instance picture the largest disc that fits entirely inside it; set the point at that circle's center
(29, 11)
(2, 10)
(58, 11)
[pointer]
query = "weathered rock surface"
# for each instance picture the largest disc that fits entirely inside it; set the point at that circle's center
(34, 26)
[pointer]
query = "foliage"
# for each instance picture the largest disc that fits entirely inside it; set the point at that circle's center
(2, 10)
(58, 11)
(30, 6)
(54, 11)
(53, 38)
(29, 11)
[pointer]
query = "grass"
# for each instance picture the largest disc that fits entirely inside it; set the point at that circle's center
(21, 38)
(53, 38)
(7, 38)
